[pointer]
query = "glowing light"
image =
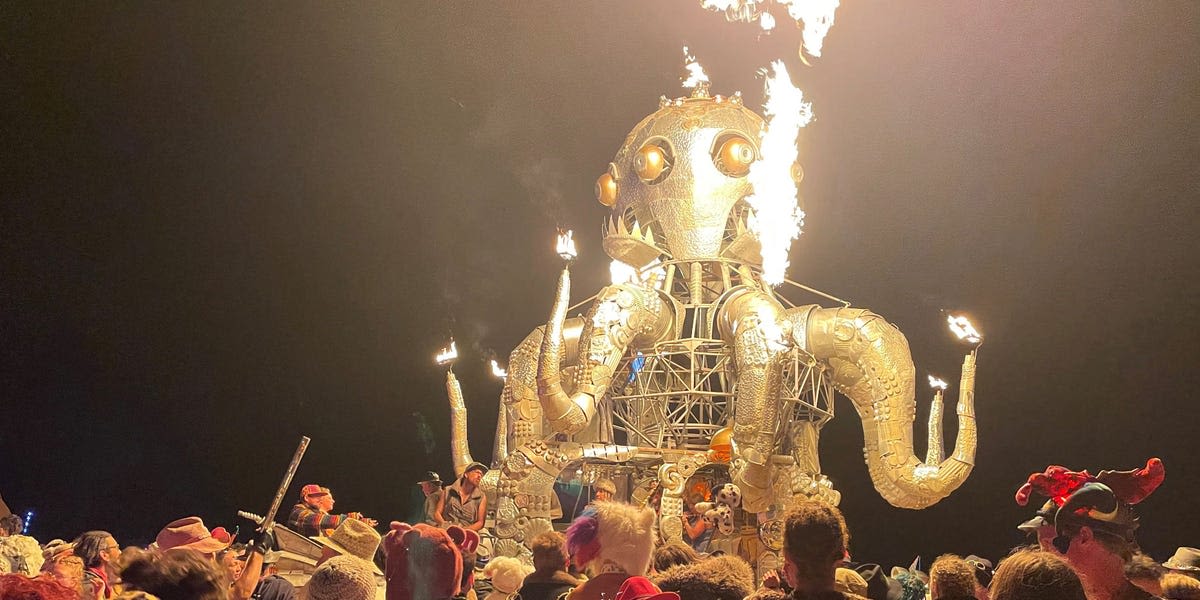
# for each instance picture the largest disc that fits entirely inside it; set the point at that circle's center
(28, 520)
(447, 355)
(937, 384)
(497, 371)
(565, 246)
(621, 272)
(777, 218)
(817, 18)
(963, 329)
(696, 75)
(766, 21)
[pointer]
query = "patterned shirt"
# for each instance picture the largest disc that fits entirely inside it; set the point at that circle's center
(310, 521)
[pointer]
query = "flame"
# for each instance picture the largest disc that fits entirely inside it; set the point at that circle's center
(935, 383)
(814, 17)
(497, 371)
(447, 355)
(696, 74)
(565, 246)
(963, 329)
(766, 21)
(817, 17)
(777, 218)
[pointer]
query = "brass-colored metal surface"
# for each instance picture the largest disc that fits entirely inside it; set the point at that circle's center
(460, 451)
(606, 189)
(701, 364)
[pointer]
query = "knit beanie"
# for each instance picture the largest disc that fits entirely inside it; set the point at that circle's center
(342, 578)
(507, 574)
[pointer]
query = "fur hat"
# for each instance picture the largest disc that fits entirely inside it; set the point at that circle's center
(425, 562)
(353, 538)
(507, 575)
(341, 578)
(717, 578)
(615, 534)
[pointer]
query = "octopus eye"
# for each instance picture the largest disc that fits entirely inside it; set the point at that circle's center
(606, 189)
(653, 161)
(733, 156)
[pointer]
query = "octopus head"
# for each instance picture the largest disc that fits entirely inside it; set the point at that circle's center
(677, 185)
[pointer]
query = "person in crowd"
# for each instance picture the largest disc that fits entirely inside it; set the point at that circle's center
(1091, 525)
(14, 586)
(60, 562)
(99, 552)
(549, 578)
(695, 530)
(314, 516)
(19, 553)
(815, 541)
(351, 538)
(1145, 573)
(1036, 575)
(605, 490)
(506, 575)
(178, 574)
(951, 578)
(1185, 561)
(190, 534)
(425, 562)
(673, 554)
(613, 542)
(431, 486)
(463, 503)
(270, 585)
(723, 577)
(341, 578)
(1177, 586)
(230, 558)
(983, 569)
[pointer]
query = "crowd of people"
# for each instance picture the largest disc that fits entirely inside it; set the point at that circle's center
(1082, 548)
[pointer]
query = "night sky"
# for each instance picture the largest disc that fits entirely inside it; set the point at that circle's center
(227, 225)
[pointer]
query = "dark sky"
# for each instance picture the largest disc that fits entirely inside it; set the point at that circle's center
(225, 225)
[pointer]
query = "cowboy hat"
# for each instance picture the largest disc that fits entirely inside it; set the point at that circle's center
(189, 533)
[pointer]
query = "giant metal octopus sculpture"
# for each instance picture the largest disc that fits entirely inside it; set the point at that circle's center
(696, 361)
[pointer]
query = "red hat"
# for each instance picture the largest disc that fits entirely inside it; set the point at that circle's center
(188, 533)
(424, 561)
(640, 588)
(313, 489)
(223, 534)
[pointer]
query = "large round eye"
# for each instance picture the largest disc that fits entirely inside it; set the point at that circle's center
(733, 156)
(651, 162)
(606, 190)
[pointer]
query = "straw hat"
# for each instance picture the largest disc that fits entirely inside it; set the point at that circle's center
(1184, 559)
(341, 578)
(354, 538)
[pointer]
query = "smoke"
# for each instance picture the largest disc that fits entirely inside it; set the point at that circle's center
(507, 134)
